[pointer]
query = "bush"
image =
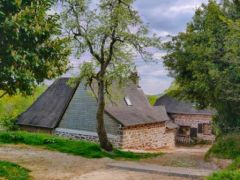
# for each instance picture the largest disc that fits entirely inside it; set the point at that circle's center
(9, 123)
(227, 147)
(231, 173)
(12, 171)
(12, 106)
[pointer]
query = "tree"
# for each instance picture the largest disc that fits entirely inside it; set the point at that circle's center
(205, 61)
(30, 47)
(112, 34)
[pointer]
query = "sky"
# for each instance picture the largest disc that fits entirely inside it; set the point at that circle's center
(164, 17)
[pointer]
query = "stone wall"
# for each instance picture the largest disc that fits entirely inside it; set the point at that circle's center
(193, 121)
(86, 135)
(148, 137)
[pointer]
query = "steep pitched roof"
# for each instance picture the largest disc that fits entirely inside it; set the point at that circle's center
(47, 111)
(139, 112)
(182, 107)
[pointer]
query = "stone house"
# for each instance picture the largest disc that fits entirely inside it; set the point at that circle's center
(130, 121)
(193, 123)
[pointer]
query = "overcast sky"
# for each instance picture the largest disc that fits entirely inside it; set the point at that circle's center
(164, 17)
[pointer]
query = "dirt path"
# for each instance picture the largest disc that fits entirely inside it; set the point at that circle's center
(184, 157)
(50, 165)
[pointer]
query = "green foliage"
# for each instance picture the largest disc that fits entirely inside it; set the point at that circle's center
(205, 62)
(152, 99)
(12, 171)
(30, 47)
(227, 146)
(231, 173)
(106, 32)
(225, 175)
(12, 106)
(81, 148)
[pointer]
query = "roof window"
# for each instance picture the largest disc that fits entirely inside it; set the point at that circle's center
(128, 101)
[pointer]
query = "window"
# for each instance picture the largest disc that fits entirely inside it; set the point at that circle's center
(127, 100)
(200, 128)
(193, 132)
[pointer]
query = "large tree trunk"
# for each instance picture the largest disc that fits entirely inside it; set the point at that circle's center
(102, 135)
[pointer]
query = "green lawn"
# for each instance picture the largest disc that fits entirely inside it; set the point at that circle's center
(81, 148)
(227, 147)
(11, 171)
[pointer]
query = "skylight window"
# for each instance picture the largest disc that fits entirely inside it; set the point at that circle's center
(128, 101)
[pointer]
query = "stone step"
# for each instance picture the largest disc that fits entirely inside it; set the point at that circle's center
(151, 168)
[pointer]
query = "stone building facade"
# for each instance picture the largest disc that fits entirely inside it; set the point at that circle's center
(196, 126)
(142, 137)
(130, 121)
(148, 137)
(193, 124)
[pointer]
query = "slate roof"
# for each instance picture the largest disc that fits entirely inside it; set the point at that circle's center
(173, 105)
(140, 112)
(48, 109)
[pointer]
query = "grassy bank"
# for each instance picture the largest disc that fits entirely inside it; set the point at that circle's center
(227, 147)
(81, 148)
(12, 171)
(12, 106)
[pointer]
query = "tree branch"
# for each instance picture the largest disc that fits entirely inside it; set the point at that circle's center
(103, 46)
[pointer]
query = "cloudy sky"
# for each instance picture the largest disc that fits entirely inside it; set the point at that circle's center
(164, 17)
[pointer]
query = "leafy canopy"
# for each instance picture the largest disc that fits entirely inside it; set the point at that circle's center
(205, 61)
(112, 32)
(30, 47)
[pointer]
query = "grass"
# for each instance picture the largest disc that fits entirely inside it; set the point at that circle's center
(81, 148)
(12, 106)
(12, 171)
(227, 147)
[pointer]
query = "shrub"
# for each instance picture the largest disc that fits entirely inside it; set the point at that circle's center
(227, 146)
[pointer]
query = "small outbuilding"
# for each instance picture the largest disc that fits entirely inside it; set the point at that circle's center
(193, 123)
(130, 121)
